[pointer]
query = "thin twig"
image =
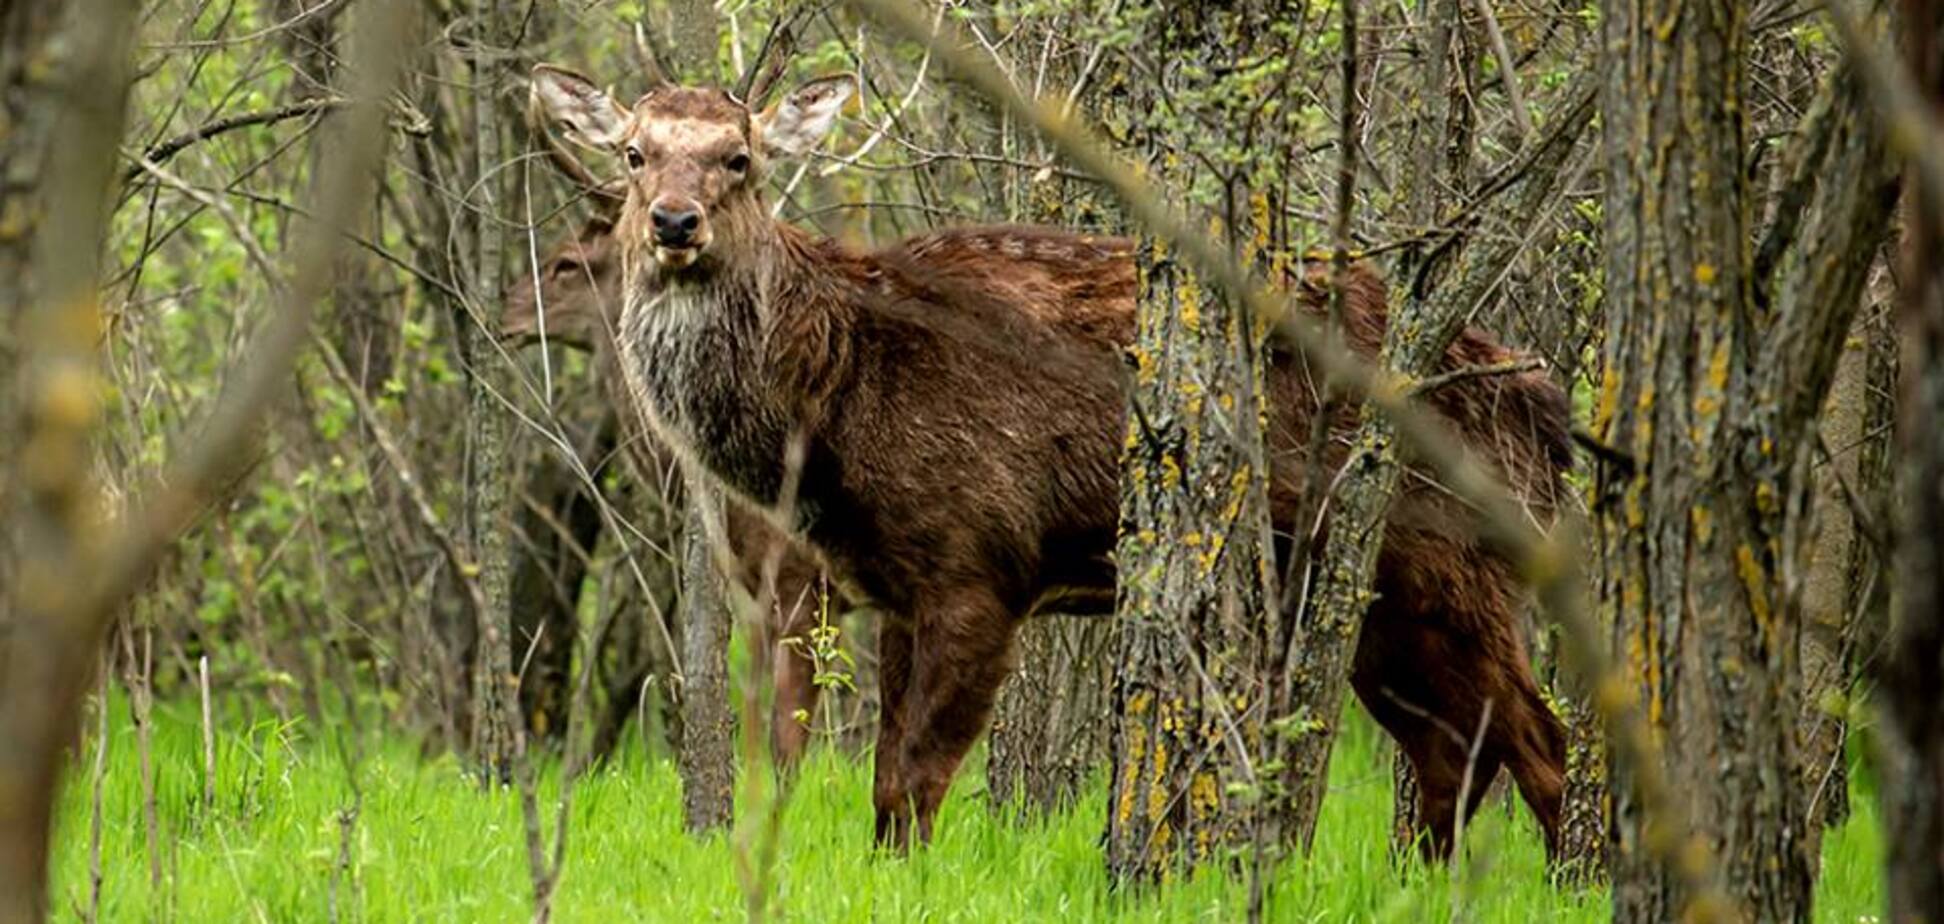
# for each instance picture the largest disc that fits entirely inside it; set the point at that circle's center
(161, 152)
(1432, 383)
(1508, 68)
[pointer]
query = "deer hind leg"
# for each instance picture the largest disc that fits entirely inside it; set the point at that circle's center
(888, 791)
(792, 671)
(959, 665)
(1417, 680)
(1534, 746)
(1523, 733)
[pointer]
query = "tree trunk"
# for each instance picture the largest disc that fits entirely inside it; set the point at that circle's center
(1189, 602)
(64, 70)
(1826, 592)
(687, 43)
(1913, 670)
(489, 472)
(1708, 402)
(707, 761)
(1047, 729)
(1196, 564)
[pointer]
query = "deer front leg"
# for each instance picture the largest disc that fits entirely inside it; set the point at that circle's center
(888, 794)
(960, 660)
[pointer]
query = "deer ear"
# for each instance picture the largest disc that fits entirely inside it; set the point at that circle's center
(593, 119)
(797, 124)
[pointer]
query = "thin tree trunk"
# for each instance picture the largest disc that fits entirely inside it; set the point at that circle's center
(1047, 729)
(686, 45)
(707, 761)
(1826, 592)
(1913, 670)
(489, 475)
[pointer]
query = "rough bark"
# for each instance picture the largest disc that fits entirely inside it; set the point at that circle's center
(1191, 589)
(690, 38)
(1047, 735)
(1913, 670)
(706, 762)
(1826, 590)
(1817, 290)
(1708, 403)
(488, 468)
(1194, 560)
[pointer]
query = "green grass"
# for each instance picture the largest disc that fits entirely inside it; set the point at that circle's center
(429, 846)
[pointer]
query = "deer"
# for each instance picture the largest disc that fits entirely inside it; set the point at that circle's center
(942, 422)
(571, 300)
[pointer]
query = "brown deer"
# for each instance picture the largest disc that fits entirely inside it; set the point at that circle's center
(958, 403)
(578, 297)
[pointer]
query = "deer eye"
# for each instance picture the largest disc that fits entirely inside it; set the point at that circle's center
(563, 266)
(737, 162)
(635, 160)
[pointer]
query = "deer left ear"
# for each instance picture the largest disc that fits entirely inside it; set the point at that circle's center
(593, 119)
(801, 121)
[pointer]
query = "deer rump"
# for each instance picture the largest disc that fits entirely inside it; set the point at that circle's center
(963, 405)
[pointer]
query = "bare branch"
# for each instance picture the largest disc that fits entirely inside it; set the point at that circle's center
(160, 153)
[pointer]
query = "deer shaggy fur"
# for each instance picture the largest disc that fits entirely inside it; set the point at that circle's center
(958, 406)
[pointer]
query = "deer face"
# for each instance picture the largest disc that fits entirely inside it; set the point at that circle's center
(693, 155)
(579, 283)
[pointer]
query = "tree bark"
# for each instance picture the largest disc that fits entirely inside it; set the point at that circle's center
(1710, 402)
(1826, 591)
(1190, 564)
(488, 468)
(1047, 734)
(1913, 670)
(1195, 562)
(707, 761)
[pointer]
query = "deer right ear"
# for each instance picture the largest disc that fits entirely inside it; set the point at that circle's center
(593, 119)
(798, 123)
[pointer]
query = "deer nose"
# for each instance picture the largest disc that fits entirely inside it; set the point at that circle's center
(674, 227)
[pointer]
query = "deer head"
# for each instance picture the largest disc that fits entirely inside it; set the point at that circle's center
(693, 156)
(578, 292)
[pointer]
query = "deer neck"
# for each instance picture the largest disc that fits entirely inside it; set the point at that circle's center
(706, 358)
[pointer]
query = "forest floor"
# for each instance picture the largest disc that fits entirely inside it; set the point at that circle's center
(427, 845)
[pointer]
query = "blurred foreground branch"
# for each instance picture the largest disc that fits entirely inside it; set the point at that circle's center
(76, 570)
